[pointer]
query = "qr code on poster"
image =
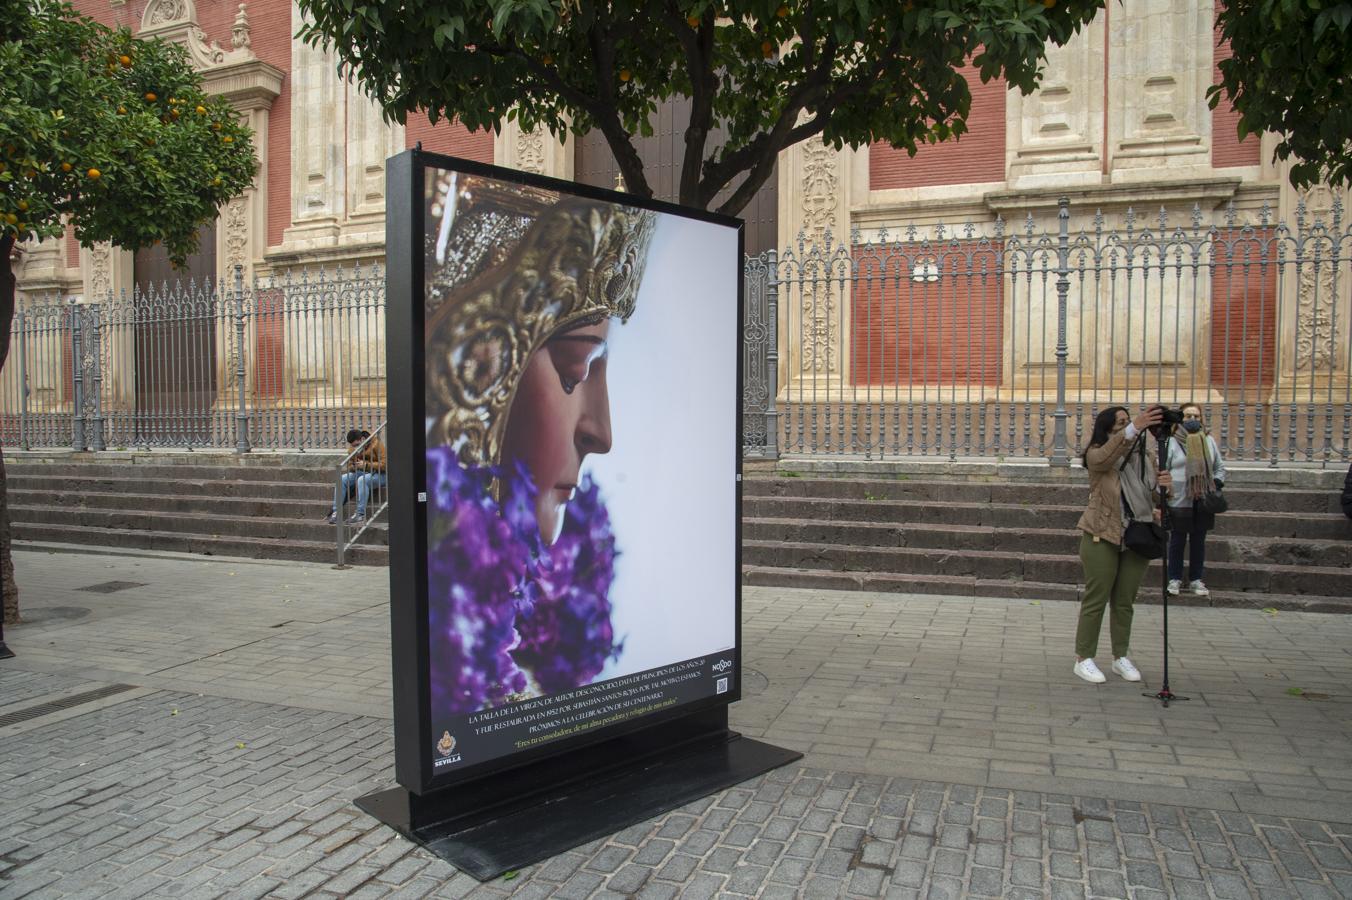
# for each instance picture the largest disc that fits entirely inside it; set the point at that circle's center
(721, 686)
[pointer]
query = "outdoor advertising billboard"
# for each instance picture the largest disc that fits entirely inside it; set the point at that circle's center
(564, 538)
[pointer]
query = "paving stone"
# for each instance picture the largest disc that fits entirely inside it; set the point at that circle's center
(1067, 890)
(1228, 887)
(1106, 883)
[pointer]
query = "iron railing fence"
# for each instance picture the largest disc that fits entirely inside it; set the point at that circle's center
(1006, 342)
(923, 342)
(287, 363)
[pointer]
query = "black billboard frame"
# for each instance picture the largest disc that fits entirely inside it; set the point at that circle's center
(485, 819)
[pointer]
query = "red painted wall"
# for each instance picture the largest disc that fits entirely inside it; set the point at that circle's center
(945, 332)
(450, 138)
(1226, 147)
(1243, 311)
(72, 249)
(978, 156)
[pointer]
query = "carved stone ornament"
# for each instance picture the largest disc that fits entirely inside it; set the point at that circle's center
(821, 188)
(236, 221)
(162, 12)
(100, 272)
(530, 151)
(572, 262)
(1315, 296)
(239, 33)
(1314, 317)
(176, 21)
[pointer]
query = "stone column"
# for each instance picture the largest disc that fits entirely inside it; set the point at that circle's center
(318, 176)
(1160, 58)
(814, 302)
(1315, 293)
(109, 280)
(1054, 136)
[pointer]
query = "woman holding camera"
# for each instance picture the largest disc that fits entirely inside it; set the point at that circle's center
(1193, 460)
(1123, 477)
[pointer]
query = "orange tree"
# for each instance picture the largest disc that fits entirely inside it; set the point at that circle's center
(108, 135)
(1290, 72)
(770, 73)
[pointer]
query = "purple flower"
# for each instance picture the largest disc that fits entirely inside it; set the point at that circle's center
(500, 603)
(567, 637)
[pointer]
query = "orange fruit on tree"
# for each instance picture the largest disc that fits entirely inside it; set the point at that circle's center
(227, 139)
(767, 49)
(125, 61)
(215, 126)
(93, 173)
(782, 11)
(150, 96)
(174, 113)
(11, 218)
(66, 167)
(625, 75)
(693, 21)
(23, 206)
(121, 110)
(547, 59)
(201, 110)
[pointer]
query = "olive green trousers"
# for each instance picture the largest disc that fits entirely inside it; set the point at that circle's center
(1111, 578)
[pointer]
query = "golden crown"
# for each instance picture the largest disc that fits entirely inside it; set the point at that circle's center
(509, 266)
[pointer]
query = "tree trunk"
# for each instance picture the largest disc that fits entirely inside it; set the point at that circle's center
(7, 583)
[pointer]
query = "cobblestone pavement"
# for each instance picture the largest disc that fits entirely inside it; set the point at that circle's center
(946, 747)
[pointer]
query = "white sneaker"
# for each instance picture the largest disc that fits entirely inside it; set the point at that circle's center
(1174, 587)
(1122, 666)
(1086, 669)
(1199, 589)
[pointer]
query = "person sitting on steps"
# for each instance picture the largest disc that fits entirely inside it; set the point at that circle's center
(365, 473)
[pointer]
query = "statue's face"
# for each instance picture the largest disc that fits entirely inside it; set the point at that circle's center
(560, 414)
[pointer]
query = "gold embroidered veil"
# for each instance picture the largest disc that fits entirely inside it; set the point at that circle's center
(507, 266)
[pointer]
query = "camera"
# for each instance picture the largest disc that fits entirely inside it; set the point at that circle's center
(1169, 419)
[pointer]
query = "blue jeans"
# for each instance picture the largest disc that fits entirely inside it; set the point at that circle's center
(1187, 531)
(365, 482)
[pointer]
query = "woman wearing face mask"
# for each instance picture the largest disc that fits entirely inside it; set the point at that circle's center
(1195, 464)
(1118, 452)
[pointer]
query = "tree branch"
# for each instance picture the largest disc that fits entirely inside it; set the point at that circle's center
(626, 157)
(718, 174)
(602, 109)
(698, 47)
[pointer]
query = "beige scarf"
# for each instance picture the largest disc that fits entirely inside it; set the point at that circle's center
(1198, 466)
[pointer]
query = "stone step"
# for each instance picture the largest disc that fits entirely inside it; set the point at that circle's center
(33, 536)
(208, 487)
(321, 471)
(1051, 567)
(311, 507)
(1220, 547)
(1237, 522)
(887, 582)
(193, 523)
(1073, 492)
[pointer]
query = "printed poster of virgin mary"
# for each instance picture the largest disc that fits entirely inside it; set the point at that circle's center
(581, 431)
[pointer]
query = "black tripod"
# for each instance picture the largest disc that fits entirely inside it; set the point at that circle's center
(1164, 695)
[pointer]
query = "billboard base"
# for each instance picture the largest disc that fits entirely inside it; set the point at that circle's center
(490, 826)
